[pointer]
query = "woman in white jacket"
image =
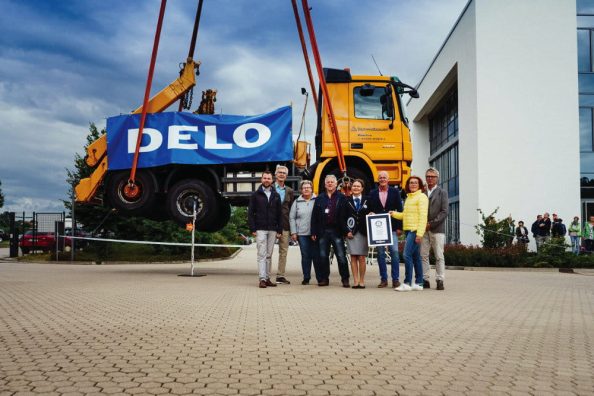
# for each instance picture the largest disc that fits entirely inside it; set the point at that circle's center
(300, 223)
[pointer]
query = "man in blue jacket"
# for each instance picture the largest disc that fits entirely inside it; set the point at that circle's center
(264, 219)
(383, 200)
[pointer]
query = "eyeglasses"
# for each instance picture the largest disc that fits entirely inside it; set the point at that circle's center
(430, 177)
(281, 173)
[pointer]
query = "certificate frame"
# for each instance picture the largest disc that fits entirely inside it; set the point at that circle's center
(379, 229)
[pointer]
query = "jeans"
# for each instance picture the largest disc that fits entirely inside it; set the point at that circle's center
(395, 259)
(412, 259)
(332, 237)
(265, 245)
(309, 255)
(575, 245)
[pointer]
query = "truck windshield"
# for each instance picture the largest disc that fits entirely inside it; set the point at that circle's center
(373, 107)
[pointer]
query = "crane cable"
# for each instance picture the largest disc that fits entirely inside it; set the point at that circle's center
(305, 55)
(131, 190)
(322, 79)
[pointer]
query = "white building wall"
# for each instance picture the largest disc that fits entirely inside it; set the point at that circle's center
(515, 63)
(527, 102)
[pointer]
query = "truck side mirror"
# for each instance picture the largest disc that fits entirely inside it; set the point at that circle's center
(414, 94)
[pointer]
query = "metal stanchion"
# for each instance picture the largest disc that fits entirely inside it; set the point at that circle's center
(193, 246)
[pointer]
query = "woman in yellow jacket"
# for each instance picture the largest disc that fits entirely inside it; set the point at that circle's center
(414, 218)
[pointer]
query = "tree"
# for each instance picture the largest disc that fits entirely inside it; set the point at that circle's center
(494, 233)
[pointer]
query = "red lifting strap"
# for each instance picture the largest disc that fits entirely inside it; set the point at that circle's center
(131, 189)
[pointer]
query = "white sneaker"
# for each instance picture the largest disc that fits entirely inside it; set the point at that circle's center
(414, 286)
(403, 288)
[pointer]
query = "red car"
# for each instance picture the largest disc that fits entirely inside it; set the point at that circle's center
(44, 241)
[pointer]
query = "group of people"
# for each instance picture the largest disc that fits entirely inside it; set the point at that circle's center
(333, 220)
(545, 229)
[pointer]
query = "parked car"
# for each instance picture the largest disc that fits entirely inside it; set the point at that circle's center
(44, 241)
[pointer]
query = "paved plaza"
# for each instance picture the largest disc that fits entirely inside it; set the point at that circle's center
(141, 329)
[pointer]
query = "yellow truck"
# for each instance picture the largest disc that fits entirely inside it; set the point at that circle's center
(373, 131)
(367, 133)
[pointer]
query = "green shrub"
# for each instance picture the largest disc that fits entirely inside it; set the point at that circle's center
(515, 256)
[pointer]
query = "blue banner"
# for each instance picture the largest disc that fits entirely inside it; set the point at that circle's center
(186, 138)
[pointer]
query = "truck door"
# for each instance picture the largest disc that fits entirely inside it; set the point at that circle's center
(374, 126)
(340, 99)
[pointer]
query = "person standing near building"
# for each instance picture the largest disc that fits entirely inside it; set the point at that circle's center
(588, 235)
(355, 231)
(575, 233)
(535, 231)
(264, 220)
(300, 221)
(326, 229)
(522, 234)
(286, 197)
(383, 200)
(414, 223)
(434, 238)
(544, 231)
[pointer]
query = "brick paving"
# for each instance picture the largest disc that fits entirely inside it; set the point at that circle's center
(141, 329)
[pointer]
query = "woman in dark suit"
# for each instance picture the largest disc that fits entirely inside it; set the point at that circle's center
(355, 231)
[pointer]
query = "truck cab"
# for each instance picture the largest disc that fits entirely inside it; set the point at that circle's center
(374, 133)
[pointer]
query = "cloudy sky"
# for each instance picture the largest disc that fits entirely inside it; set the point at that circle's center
(67, 63)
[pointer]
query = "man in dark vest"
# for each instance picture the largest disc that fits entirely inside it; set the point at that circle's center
(435, 235)
(326, 228)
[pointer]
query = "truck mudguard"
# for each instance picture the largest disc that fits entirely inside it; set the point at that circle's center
(186, 138)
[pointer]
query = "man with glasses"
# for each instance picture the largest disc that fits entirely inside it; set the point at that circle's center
(385, 199)
(286, 195)
(326, 228)
(435, 235)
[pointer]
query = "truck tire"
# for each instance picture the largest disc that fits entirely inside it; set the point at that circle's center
(133, 206)
(181, 198)
(221, 219)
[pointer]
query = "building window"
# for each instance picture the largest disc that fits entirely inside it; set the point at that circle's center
(443, 123)
(443, 136)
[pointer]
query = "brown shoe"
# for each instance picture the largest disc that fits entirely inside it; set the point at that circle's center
(395, 284)
(324, 283)
(440, 285)
(345, 283)
(269, 283)
(262, 284)
(383, 284)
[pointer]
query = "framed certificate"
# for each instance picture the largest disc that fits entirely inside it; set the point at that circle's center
(379, 229)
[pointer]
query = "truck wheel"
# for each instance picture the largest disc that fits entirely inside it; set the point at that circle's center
(182, 196)
(135, 206)
(221, 219)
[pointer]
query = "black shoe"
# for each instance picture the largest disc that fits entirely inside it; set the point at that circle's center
(345, 283)
(324, 283)
(440, 285)
(282, 280)
(305, 282)
(426, 285)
